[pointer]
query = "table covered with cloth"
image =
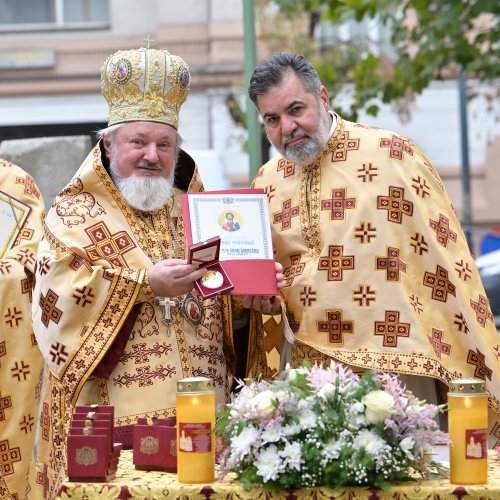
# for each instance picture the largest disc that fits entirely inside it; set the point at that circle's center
(137, 484)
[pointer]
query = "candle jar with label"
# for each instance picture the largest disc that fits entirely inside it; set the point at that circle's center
(195, 407)
(468, 430)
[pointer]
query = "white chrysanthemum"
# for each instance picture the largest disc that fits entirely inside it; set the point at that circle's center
(269, 464)
(290, 430)
(407, 444)
(271, 434)
(356, 415)
(308, 419)
(242, 444)
(292, 455)
(331, 450)
(370, 441)
(379, 406)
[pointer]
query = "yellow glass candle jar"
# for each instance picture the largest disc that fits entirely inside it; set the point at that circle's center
(195, 407)
(468, 430)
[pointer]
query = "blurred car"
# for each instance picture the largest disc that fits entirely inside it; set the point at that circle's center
(489, 269)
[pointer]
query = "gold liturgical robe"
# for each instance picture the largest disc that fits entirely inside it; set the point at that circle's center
(377, 270)
(21, 365)
(104, 336)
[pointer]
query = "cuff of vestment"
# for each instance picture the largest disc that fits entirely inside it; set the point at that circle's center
(146, 293)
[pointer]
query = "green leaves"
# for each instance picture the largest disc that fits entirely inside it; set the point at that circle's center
(426, 40)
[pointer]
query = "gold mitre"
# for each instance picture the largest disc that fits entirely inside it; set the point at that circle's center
(144, 85)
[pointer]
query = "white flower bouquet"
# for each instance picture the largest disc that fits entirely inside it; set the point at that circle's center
(318, 426)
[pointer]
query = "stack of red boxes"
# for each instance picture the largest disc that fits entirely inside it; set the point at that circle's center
(92, 454)
(155, 444)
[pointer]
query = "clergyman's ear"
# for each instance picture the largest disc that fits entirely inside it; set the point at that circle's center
(107, 145)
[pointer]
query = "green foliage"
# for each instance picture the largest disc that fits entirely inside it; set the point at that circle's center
(429, 40)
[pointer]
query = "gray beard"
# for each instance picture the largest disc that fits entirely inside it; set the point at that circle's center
(143, 193)
(305, 154)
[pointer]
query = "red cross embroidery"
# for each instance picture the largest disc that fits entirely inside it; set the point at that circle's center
(437, 344)
(336, 262)
(420, 186)
(5, 402)
(442, 229)
(463, 269)
(285, 216)
(397, 146)
(83, 296)
(477, 358)
(335, 326)
(8, 456)
(364, 295)
(367, 172)
(58, 353)
(395, 204)
(343, 146)
(461, 324)
(269, 190)
(49, 310)
(419, 244)
(392, 264)
(107, 246)
(440, 284)
(391, 329)
(20, 370)
(365, 232)
(29, 186)
(13, 316)
(296, 268)
(307, 296)
(482, 310)
(287, 167)
(338, 204)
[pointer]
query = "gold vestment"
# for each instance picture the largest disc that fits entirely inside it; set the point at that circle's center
(21, 364)
(92, 294)
(377, 271)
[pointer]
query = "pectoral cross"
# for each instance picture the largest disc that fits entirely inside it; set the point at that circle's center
(166, 304)
(149, 41)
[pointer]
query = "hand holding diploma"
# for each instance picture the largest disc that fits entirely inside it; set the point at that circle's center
(263, 303)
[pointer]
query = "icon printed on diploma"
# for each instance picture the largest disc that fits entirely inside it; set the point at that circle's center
(230, 221)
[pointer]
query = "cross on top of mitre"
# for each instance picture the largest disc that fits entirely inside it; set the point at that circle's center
(149, 41)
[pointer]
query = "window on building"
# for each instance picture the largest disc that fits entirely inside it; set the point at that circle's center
(369, 32)
(52, 13)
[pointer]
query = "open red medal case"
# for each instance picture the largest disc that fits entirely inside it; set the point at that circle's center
(206, 254)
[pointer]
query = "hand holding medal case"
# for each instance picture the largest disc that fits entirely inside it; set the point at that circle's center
(215, 280)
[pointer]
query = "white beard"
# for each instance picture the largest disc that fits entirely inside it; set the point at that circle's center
(305, 154)
(143, 193)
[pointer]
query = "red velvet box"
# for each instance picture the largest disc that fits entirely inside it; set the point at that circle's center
(206, 254)
(89, 458)
(98, 428)
(97, 409)
(155, 445)
(91, 453)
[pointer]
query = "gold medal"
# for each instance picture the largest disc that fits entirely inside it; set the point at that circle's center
(212, 279)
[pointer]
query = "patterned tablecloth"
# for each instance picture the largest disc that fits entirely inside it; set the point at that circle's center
(131, 483)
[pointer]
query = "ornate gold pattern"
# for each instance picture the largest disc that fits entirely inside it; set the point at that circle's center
(144, 84)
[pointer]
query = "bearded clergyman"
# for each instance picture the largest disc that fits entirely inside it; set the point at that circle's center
(116, 317)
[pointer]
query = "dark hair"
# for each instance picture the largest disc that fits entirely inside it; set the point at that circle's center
(270, 73)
